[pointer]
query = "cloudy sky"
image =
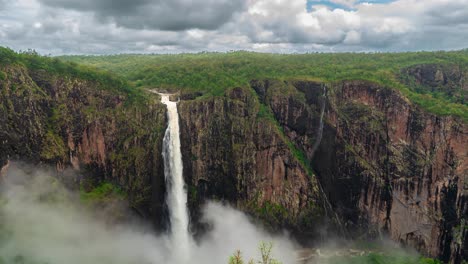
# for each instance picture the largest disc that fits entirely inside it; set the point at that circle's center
(167, 26)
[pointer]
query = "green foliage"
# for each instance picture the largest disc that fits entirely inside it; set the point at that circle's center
(238, 259)
(212, 73)
(2, 76)
(272, 212)
(447, 82)
(265, 252)
(53, 66)
(310, 216)
(376, 258)
(265, 112)
(53, 147)
(102, 193)
(458, 232)
(7, 56)
(192, 193)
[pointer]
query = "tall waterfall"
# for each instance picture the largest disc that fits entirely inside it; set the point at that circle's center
(176, 193)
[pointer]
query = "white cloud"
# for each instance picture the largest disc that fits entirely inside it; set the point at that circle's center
(264, 25)
(352, 38)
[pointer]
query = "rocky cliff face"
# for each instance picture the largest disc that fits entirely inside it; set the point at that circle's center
(384, 163)
(449, 80)
(69, 122)
(233, 153)
(290, 153)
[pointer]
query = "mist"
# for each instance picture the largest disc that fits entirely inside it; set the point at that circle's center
(43, 222)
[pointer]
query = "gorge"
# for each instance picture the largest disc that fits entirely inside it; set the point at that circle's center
(350, 158)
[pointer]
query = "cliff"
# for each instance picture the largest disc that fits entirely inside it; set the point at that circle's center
(294, 154)
(386, 166)
(234, 153)
(68, 121)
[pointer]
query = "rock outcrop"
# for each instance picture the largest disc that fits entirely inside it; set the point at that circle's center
(233, 153)
(449, 80)
(65, 121)
(386, 165)
(291, 153)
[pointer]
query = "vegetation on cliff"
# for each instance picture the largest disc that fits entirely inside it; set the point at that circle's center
(212, 73)
(102, 193)
(55, 67)
(65, 114)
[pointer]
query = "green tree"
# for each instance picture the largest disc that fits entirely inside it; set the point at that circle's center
(265, 252)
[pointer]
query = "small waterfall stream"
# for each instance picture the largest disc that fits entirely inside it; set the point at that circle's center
(176, 193)
(320, 128)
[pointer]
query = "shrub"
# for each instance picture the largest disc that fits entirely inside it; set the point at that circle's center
(265, 252)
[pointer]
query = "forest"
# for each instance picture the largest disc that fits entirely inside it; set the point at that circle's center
(212, 73)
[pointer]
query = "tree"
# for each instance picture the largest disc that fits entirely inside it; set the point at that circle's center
(265, 252)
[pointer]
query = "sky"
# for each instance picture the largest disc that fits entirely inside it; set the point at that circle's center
(284, 26)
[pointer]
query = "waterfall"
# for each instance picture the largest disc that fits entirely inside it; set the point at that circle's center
(320, 128)
(327, 203)
(176, 193)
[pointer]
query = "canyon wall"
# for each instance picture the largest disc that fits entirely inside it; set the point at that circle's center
(71, 123)
(386, 165)
(378, 165)
(233, 153)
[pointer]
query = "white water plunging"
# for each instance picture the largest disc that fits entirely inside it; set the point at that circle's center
(176, 193)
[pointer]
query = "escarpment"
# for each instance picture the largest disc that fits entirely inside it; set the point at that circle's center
(233, 152)
(70, 122)
(373, 162)
(448, 80)
(386, 165)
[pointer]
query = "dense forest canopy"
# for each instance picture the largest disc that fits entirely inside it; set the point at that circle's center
(55, 66)
(212, 73)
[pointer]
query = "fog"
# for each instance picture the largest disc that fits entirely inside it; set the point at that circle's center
(43, 222)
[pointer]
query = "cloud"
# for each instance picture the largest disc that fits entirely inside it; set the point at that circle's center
(161, 26)
(163, 14)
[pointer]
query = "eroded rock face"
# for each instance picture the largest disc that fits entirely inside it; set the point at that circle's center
(4, 170)
(231, 153)
(450, 80)
(383, 162)
(385, 165)
(69, 122)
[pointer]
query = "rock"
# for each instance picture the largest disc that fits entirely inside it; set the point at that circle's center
(4, 170)
(70, 122)
(383, 165)
(383, 162)
(233, 155)
(450, 80)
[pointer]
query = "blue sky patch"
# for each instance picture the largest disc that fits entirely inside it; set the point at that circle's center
(332, 5)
